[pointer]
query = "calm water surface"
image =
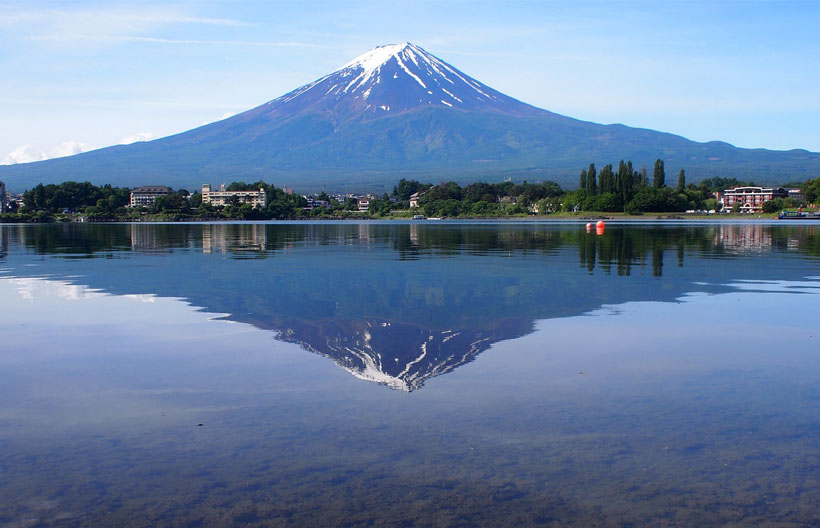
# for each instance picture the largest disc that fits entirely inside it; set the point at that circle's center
(425, 374)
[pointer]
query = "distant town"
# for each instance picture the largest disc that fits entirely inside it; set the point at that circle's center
(624, 191)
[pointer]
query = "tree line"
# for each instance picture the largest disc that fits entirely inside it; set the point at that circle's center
(630, 190)
(476, 199)
(624, 189)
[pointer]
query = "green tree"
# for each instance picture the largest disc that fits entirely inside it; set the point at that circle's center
(773, 206)
(659, 176)
(811, 190)
(625, 182)
(681, 181)
(592, 183)
(643, 180)
(405, 188)
(606, 181)
(380, 207)
(712, 204)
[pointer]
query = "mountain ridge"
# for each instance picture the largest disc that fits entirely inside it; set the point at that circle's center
(399, 111)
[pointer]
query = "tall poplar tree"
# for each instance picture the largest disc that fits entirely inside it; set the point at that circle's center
(582, 182)
(658, 176)
(681, 181)
(592, 182)
(626, 182)
(606, 183)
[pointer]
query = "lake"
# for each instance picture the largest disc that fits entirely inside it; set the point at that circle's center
(410, 374)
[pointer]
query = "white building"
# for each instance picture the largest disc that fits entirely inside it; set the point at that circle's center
(415, 197)
(222, 197)
(145, 196)
(364, 203)
(750, 199)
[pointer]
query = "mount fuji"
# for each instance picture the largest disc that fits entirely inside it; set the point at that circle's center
(398, 111)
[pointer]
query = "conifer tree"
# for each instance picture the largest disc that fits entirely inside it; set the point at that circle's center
(681, 181)
(582, 183)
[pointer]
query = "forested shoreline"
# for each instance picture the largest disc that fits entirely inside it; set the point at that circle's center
(608, 190)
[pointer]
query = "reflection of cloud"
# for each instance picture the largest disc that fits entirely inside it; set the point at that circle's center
(33, 289)
(142, 297)
(778, 286)
(28, 153)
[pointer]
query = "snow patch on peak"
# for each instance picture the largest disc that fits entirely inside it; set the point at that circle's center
(373, 59)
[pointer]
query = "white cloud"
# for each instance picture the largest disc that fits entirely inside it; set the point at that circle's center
(140, 136)
(23, 154)
(68, 148)
(28, 153)
(226, 115)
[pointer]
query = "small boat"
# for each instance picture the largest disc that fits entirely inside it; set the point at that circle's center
(798, 215)
(418, 217)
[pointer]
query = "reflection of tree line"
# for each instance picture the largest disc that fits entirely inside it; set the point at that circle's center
(621, 250)
(618, 250)
(4, 243)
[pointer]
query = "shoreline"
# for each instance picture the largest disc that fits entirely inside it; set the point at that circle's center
(557, 218)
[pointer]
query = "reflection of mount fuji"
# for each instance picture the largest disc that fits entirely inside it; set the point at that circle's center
(398, 304)
(399, 355)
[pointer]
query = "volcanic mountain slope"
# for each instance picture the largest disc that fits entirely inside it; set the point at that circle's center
(398, 111)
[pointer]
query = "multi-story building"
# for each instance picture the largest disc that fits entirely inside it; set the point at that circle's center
(415, 197)
(796, 195)
(364, 203)
(750, 199)
(223, 197)
(146, 195)
(313, 203)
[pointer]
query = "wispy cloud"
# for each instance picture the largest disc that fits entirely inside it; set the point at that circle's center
(148, 17)
(162, 40)
(100, 23)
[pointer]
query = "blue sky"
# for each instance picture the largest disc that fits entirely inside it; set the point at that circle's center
(81, 74)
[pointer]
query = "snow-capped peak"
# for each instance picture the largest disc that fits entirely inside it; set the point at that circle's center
(393, 79)
(374, 58)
